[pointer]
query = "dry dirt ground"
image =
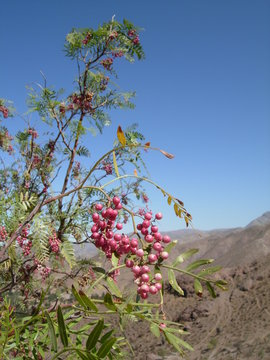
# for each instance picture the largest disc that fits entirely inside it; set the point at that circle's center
(235, 325)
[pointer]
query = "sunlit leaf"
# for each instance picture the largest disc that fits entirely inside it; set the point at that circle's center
(121, 136)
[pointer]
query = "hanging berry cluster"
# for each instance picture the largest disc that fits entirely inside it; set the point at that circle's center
(54, 243)
(140, 253)
(23, 241)
(3, 234)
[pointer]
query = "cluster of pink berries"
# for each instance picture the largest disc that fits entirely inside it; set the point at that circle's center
(106, 238)
(146, 285)
(133, 35)
(107, 63)
(80, 101)
(33, 133)
(3, 234)
(117, 54)
(36, 161)
(87, 38)
(4, 110)
(107, 166)
(44, 271)
(113, 35)
(103, 83)
(54, 243)
(25, 243)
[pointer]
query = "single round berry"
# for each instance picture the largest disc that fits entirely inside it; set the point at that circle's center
(144, 288)
(159, 216)
(117, 237)
(98, 207)
(145, 278)
(158, 276)
(158, 236)
(146, 224)
(118, 206)
(133, 243)
(136, 270)
(158, 286)
(164, 255)
(116, 200)
(145, 269)
(129, 263)
(144, 231)
(149, 239)
(140, 252)
(144, 295)
(166, 239)
(153, 290)
(119, 226)
(154, 229)
(162, 326)
(139, 227)
(95, 217)
(152, 258)
(157, 246)
(148, 216)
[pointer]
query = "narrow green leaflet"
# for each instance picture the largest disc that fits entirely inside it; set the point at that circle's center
(106, 336)
(173, 282)
(62, 327)
(177, 342)
(198, 287)
(106, 348)
(171, 245)
(155, 330)
(87, 301)
(51, 332)
(211, 289)
(186, 255)
(94, 335)
(114, 260)
(108, 302)
(81, 355)
(77, 297)
(113, 287)
(198, 263)
(210, 270)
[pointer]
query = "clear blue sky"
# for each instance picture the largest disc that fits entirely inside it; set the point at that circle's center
(202, 93)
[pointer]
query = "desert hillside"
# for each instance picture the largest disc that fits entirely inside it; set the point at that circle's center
(235, 325)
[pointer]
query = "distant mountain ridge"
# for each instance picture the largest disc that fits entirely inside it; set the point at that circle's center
(229, 247)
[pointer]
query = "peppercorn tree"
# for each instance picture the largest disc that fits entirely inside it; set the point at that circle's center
(51, 201)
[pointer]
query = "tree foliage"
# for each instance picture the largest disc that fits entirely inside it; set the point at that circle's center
(54, 305)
